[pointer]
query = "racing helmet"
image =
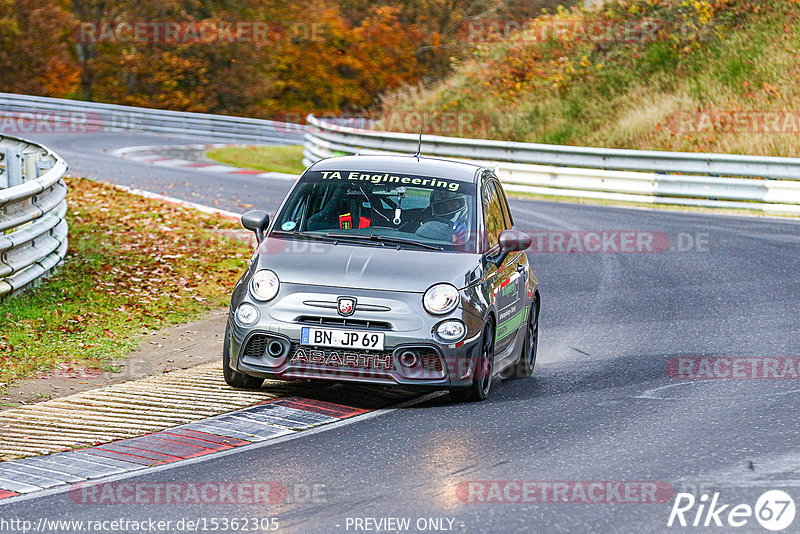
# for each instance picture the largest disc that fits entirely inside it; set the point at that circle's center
(448, 204)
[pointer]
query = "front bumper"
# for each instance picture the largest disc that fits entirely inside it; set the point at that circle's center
(271, 347)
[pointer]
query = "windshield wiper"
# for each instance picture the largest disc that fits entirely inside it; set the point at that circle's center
(379, 239)
(306, 235)
(385, 239)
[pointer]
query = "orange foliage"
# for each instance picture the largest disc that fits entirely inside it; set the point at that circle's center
(344, 68)
(35, 54)
(333, 55)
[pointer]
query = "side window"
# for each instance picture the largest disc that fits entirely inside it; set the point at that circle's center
(504, 202)
(493, 214)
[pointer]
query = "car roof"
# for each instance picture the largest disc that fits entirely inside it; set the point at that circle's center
(434, 167)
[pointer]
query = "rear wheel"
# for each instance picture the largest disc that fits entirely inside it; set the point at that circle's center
(527, 359)
(235, 378)
(482, 375)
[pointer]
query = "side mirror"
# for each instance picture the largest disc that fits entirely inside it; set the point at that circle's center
(510, 241)
(256, 221)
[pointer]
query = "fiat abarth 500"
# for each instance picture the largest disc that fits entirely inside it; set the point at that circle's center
(386, 270)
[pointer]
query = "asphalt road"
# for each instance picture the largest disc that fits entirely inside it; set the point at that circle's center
(601, 406)
(91, 155)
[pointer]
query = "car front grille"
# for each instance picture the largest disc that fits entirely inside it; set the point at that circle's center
(343, 322)
(256, 346)
(431, 361)
(341, 359)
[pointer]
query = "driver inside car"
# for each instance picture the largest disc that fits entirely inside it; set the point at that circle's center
(344, 211)
(446, 218)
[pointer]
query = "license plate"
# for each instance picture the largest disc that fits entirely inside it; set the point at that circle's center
(345, 339)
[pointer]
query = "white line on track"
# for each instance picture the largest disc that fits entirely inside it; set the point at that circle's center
(653, 394)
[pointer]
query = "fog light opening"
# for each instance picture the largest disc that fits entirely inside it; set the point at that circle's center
(409, 358)
(275, 349)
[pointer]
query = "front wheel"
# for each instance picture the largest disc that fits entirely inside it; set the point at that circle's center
(235, 378)
(527, 359)
(482, 375)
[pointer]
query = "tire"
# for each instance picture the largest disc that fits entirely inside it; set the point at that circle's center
(482, 374)
(523, 368)
(235, 378)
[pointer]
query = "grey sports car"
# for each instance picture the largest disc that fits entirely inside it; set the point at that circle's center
(390, 270)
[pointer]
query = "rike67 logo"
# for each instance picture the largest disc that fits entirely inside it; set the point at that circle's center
(774, 510)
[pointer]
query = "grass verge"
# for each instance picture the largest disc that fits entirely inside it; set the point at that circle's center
(712, 76)
(286, 159)
(134, 264)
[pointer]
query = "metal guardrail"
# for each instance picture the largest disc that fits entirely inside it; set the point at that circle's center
(33, 207)
(36, 114)
(767, 184)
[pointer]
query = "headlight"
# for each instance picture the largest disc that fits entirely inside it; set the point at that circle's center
(264, 285)
(247, 314)
(451, 331)
(440, 299)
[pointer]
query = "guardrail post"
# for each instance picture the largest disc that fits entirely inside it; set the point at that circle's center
(14, 165)
(44, 165)
(30, 166)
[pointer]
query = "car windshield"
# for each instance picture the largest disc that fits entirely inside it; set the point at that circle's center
(383, 208)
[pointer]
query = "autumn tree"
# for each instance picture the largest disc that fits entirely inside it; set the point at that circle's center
(441, 23)
(322, 56)
(337, 67)
(94, 12)
(35, 55)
